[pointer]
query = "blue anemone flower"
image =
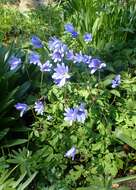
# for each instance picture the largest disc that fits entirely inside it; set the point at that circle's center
(75, 114)
(71, 153)
(70, 115)
(78, 58)
(55, 44)
(70, 28)
(95, 65)
(37, 43)
(61, 75)
(14, 62)
(87, 59)
(74, 34)
(87, 37)
(70, 55)
(57, 56)
(116, 82)
(57, 48)
(39, 107)
(22, 108)
(81, 113)
(34, 58)
(46, 67)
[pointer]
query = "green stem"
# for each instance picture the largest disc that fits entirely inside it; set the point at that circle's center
(41, 83)
(122, 179)
(99, 76)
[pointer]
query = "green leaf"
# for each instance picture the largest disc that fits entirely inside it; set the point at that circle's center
(96, 146)
(21, 129)
(3, 133)
(23, 89)
(96, 26)
(27, 182)
(122, 179)
(126, 139)
(115, 92)
(123, 188)
(19, 180)
(92, 187)
(128, 30)
(8, 100)
(107, 80)
(15, 142)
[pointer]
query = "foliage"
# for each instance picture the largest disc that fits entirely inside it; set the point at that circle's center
(9, 183)
(108, 20)
(13, 88)
(7, 1)
(98, 149)
(19, 26)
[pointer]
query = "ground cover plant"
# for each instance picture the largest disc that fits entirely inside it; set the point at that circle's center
(81, 113)
(75, 112)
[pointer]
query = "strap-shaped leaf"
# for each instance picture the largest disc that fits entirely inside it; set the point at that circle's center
(15, 142)
(27, 182)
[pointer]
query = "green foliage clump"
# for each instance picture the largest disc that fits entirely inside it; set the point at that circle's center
(99, 141)
(107, 20)
(43, 22)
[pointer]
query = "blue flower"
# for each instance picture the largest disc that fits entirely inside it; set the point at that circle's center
(14, 62)
(39, 107)
(87, 59)
(61, 75)
(87, 37)
(57, 48)
(57, 56)
(95, 65)
(22, 108)
(34, 58)
(70, 28)
(36, 42)
(116, 82)
(74, 34)
(46, 67)
(70, 115)
(71, 153)
(56, 44)
(75, 114)
(81, 113)
(78, 58)
(70, 55)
